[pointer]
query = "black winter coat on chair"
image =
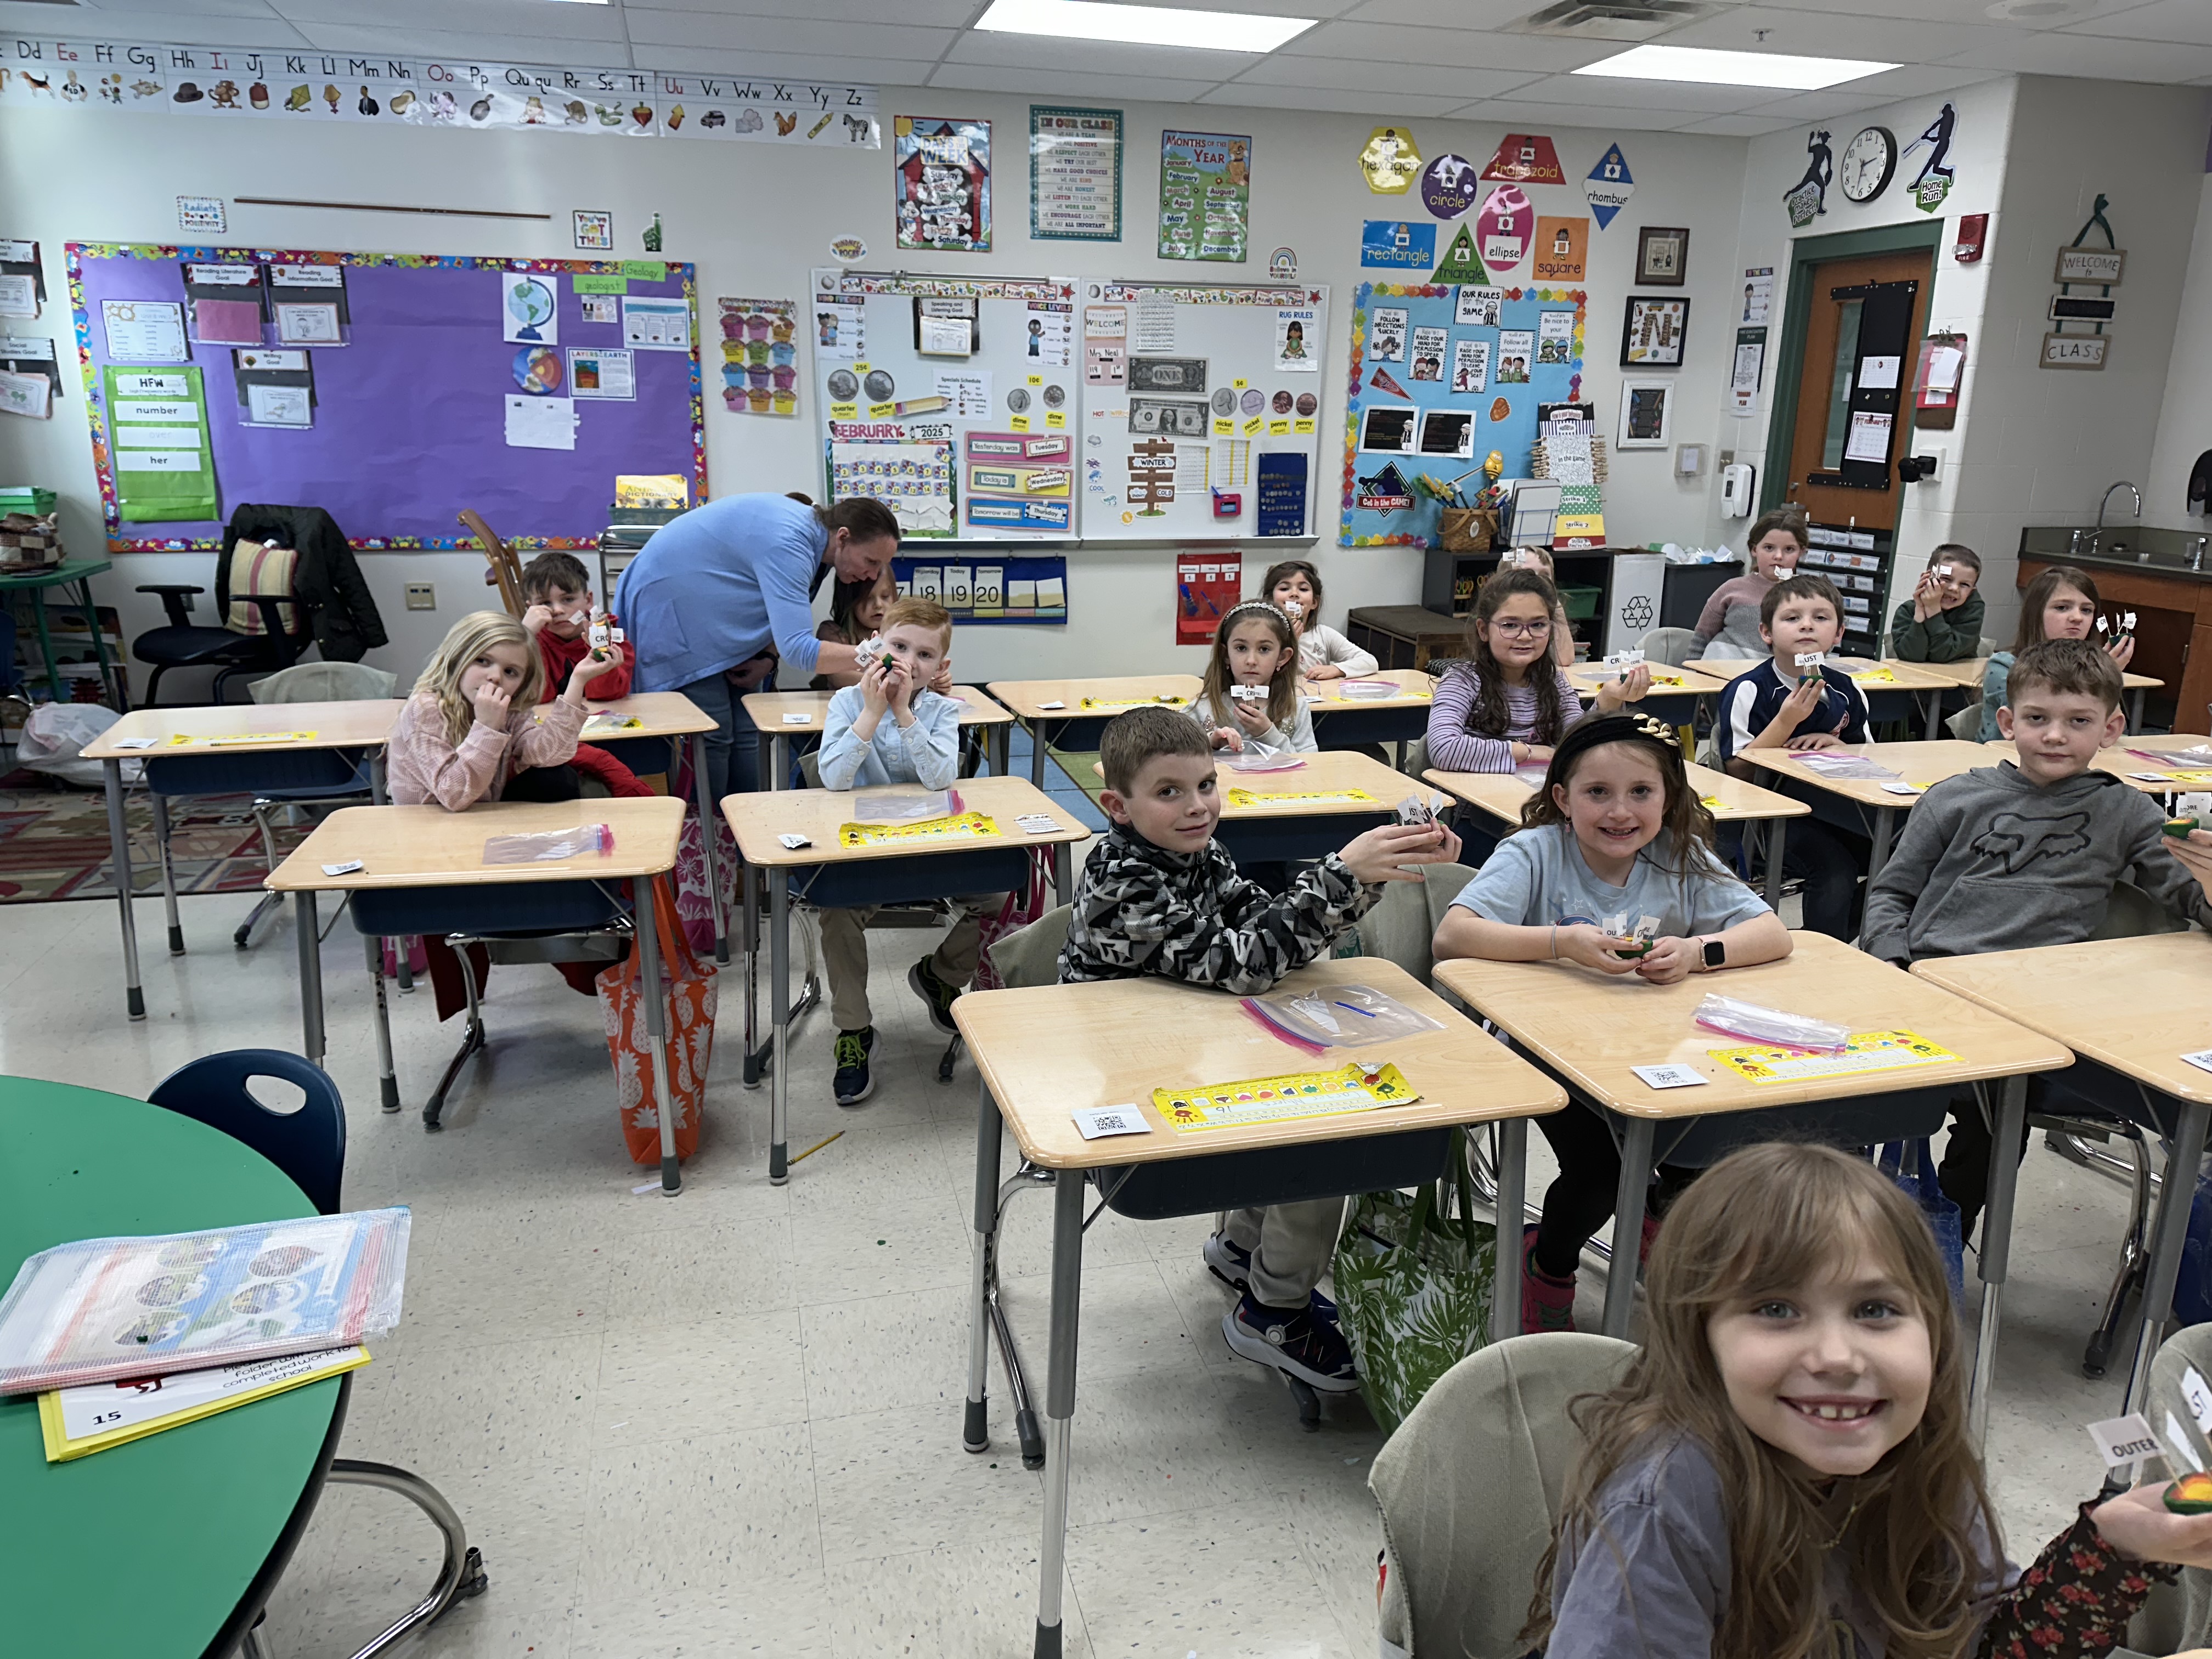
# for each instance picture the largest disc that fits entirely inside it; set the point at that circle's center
(327, 581)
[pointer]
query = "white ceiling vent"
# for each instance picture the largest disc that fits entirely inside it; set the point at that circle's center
(1611, 20)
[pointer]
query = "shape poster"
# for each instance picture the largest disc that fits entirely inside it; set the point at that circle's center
(1414, 444)
(164, 465)
(1075, 174)
(1205, 196)
(942, 184)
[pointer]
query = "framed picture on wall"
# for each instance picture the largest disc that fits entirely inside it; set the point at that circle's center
(1663, 256)
(1653, 333)
(595, 229)
(1646, 414)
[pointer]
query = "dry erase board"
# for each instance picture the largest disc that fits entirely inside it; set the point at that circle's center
(952, 400)
(391, 390)
(1201, 412)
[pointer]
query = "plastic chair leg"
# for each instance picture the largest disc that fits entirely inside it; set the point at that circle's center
(461, 1576)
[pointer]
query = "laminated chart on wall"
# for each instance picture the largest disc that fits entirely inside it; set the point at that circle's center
(989, 587)
(984, 368)
(1201, 412)
(1440, 376)
(390, 390)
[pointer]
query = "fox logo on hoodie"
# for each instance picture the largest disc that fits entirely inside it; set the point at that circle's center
(2016, 841)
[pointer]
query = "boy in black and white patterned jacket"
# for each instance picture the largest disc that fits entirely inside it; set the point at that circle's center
(1158, 896)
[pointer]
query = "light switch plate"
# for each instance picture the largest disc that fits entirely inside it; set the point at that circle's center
(421, 596)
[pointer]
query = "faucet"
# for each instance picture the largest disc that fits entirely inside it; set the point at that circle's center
(2097, 536)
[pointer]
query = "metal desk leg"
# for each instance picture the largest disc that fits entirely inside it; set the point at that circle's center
(1640, 1135)
(311, 976)
(118, 852)
(2136, 708)
(975, 1421)
(379, 792)
(1996, 1244)
(1037, 751)
(707, 836)
(1060, 1403)
(168, 872)
(1934, 715)
(2168, 1234)
(1777, 830)
(1512, 1190)
(1000, 742)
(779, 993)
(110, 674)
(1885, 824)
(644, 910)
(388, 1084)
(749, 930)
(1063, 873)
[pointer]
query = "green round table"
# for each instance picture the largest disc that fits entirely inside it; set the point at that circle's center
(168, 1544)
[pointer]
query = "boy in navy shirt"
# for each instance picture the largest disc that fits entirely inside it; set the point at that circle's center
(1794, 700)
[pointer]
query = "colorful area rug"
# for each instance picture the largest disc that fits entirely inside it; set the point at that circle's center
(53, 845)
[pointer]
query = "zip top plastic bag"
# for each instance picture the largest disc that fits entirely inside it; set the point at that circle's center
(540, 845)
(904, 805)
(1339, 1016)
(1748, 1019)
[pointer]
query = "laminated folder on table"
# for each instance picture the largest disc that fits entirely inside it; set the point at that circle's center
(80, 1421)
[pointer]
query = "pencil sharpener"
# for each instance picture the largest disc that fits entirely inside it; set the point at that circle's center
(1228, 504)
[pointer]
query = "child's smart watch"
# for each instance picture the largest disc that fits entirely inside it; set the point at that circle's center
(1715, 953)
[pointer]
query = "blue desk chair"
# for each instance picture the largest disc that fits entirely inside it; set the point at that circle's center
(307, 1143)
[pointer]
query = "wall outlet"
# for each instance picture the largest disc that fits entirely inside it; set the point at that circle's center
(421, 596)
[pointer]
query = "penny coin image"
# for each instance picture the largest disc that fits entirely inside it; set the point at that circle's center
(1281, 402)
(1308, 403)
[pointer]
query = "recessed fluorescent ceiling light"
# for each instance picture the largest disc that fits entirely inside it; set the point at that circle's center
(1142, 25)
(1732, 69)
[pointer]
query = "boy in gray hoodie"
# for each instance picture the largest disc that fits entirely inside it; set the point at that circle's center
(2011, 857)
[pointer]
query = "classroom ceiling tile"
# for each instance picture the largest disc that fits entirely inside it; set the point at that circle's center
(1599, 95)
(136, 12)
(1836, 33)
(1402, 105)
(341, 34)
(2186, 20)
(240, 26)
(1388, 43)
(1353, 75)
(1262, 7)
(1444, 14)
(1520, 115)
(1738, 126)
(942, 14)
(650, 29)
(1056, 83)
(1966, 12)
(2093, 56)
(513, 22)
(1097, 56)
(886, 72)
(1909, 81)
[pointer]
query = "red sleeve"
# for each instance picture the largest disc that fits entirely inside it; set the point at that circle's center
(593, 762)
(559, 656)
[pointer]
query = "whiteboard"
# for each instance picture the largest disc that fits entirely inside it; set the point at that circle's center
(1201, 412)
(952, 400)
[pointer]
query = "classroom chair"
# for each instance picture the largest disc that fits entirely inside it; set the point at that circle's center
(1470, 1487)
(307, 1143)
(230, 650)
(1671, 646)
(2177, 1615)
(506, 572)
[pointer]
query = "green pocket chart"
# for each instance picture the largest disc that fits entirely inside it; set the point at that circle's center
(158, 432)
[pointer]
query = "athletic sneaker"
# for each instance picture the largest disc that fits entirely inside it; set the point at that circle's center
(1312, 1350)
(1231, 1263)
(922, 979)
(852, 1084)
(1547, 1303)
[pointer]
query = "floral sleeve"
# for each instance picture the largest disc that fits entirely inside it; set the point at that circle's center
(2075, 1600)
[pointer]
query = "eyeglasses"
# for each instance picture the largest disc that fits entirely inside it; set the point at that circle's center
(1522, 630)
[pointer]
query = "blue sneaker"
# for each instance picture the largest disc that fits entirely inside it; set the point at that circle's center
(1231, 1263)
(1308, 1348)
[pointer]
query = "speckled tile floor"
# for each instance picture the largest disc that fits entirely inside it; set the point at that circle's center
(729, 1424)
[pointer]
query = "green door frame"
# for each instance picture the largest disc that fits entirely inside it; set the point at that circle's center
(1804, 253)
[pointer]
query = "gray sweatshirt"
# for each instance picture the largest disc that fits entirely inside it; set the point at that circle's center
(1991, 861)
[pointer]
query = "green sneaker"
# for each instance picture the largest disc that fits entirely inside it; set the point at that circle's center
(922, 980)
(852, 1084)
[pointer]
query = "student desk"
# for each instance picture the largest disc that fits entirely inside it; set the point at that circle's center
(1863, 806)
(1339, 720)
(1730, 799)
(1589, 1030)
(1275, 823)
(1969, 671)
(197, 1521)
(424, 872)
(1890, 687)
(1112, 1043)
(2171, 777)
(668, 717)
(230, 749)
(783, 715)
(2130, 1008)
(1674, 692)
(1055, 711)
(77, 573)
(831, 875)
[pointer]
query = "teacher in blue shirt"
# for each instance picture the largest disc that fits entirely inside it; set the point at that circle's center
(728, 581)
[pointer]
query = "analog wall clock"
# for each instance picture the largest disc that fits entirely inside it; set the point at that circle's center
(1868, 162)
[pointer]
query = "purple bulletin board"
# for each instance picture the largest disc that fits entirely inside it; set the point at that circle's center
(409, 416)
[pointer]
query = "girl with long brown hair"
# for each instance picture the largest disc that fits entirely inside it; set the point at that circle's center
(2061, 603)
(1255, 646)
(1785, 1471)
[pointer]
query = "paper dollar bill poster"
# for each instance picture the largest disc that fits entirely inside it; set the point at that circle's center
(1205, 196)
(942, 183)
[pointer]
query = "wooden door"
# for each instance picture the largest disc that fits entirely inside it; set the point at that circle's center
(1832, 489)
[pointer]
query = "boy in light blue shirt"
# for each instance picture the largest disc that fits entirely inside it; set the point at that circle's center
(892, 729)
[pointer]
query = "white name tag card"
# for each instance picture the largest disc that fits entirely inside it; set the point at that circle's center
(1097, 1122)
(1670, 1077)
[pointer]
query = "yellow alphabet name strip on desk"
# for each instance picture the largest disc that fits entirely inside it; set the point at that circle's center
(1164, 701)
(1877, 676)
(1863, 1051)
(964, 826)
(1295, 796)
(1272, 1099)
(183, 739)
(598, 723)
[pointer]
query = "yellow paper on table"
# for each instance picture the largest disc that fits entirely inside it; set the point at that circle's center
(1353, 1088)
(1295, 796)
(1863, 1051)
(1877, 676)
(1165, 700)
(184, 740)
(1711, 803)
(2190, 777)
(598, 723)
(80, 1421)
(961, 826)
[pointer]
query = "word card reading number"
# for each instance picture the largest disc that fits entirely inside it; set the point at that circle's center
(1100, 1121)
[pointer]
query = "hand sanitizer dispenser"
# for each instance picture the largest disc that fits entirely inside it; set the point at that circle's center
(1739, 484)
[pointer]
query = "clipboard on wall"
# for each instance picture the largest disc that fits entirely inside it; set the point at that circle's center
(1937, 384)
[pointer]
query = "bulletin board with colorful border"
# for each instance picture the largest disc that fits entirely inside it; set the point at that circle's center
(1504, 414)
(409, 415)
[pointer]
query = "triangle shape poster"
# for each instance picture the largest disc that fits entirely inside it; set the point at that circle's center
(1460, 262)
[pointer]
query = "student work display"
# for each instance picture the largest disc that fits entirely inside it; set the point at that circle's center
(952, 400)
(1443, 375)
(391, 390)
(1201, 409)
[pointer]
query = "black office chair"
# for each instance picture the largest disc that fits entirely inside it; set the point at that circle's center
(182, 645)
(308, 1144)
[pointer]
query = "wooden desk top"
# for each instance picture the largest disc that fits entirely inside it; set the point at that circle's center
(1587, 677)
(757, 819)
(362, 725)
(1904, 676)
(2135, 1005)
(1592, 1029)
(1916, 763)
(665, 715)
(2120, 763)
(1416, 689)
(1046, 1051)
(1023, 696)
(430, 846)
(771, 710)
(1968, 671)
(1330, 769)
(1501, 794)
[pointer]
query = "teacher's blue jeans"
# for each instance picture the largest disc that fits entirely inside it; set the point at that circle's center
(734, 747)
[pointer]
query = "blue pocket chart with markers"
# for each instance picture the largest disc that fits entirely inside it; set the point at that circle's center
(1442, 374)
